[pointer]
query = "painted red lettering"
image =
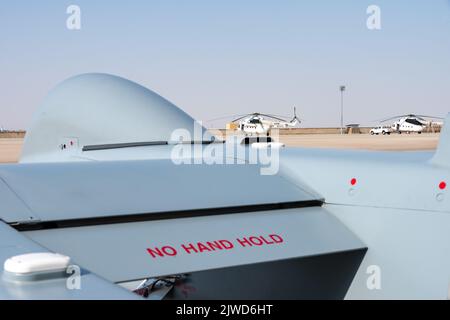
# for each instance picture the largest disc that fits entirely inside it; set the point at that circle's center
(188, 248)
(276, 238)
(256, 241)
(164, 251)
(226, 244)
(266, 241)
(244, 242)
(202, 247)
(155, 252)
(169, 251)
(214, 245)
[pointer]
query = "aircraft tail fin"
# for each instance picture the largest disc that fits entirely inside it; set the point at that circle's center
(442, 155)
(295, 120)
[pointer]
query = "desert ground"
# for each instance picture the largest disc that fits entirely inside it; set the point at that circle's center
(10, 147)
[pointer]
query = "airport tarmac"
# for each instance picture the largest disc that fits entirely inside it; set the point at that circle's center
(10, 147)
(392, 142)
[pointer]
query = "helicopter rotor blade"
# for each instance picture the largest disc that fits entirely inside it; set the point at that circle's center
(418, 116)
(386, 120)
(242, 117)
(274, 117)
(225, 117)
(430, 117)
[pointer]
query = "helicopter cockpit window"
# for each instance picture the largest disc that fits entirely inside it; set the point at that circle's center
(255, 121)
(413, 121)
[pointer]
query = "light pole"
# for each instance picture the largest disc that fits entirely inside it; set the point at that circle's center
(342, 88)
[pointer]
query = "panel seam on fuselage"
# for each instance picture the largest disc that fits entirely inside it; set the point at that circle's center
(128, 218)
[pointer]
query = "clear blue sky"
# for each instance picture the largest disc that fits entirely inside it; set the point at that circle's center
(215, 58)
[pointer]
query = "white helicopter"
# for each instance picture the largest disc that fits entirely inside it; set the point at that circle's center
(411, 123)
(261, 124)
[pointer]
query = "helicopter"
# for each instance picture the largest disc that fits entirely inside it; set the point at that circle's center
(261, 123)
(408, 123)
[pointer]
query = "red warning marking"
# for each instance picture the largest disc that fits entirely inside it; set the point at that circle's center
(442, 185)
(164, 251)
(353, 181)
(217, 245)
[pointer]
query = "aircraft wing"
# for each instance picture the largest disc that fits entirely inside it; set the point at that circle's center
(13, 243)
(134, 220)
